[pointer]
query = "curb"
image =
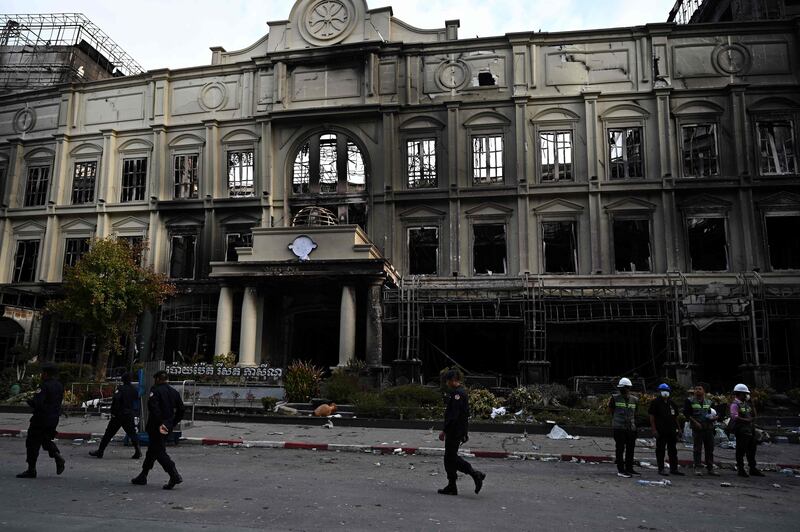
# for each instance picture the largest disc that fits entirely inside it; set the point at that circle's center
(387, 449)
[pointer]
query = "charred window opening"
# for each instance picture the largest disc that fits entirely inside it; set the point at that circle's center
(239, 239)
(83, 180)
(74, 249)
(776, 147)
(487, 159)
(300, 174)
(708, 244)
(182, 256)
(700, 150)
(136, 245)
(37, 185)
(556, 153)
(423, 251)
(329, 164)
(625, 153)
(134, 179)
(356, 170)
(25, 261)
(559, 245)
(241, 183)
(421, 155)
(185, 174)
(489, 249)
(783, 237)
(328, 173)
(486, 79)
(632, 246)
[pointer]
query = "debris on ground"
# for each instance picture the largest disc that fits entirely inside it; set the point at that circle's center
(557, 433)
(325, 410)
(725, 484)
(661, 483)
(501, 411)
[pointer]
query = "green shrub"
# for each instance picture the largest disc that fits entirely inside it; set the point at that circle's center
(341, 387)
(481, 403)
(269, 403)
(70, 372)
(411, 401)
(370, 405)
(301, 381)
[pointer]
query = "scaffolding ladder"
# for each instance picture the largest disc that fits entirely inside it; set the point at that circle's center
(755, 330)
(679, 345)
(534, 319)
(408, 319)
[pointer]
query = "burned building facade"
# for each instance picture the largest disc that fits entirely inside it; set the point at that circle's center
(535, 206)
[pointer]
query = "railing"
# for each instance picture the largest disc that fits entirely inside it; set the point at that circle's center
(683, 10)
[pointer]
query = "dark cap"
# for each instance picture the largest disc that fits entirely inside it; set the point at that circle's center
(451, 375)
(158, 374)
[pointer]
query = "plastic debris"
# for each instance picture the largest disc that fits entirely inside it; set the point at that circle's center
(328, 425)
(77, 441)
(518, 413)
(399, 450)
(787, 472)
(498, 412)
(557, 433)
(662, 483)
(728, 444)
(776, 485)
(725, 484)
(378, 464)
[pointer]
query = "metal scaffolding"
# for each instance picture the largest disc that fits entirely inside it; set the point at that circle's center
(40, 50)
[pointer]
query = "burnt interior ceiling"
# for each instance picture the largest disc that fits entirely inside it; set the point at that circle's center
(783, 234)
(489, 249)
(423, 250)
(558, 240)
(632, 245)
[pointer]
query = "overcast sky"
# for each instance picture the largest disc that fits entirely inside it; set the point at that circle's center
(178, 33)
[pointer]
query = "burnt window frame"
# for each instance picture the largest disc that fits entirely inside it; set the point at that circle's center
(711, 215)
(764, 119)
(422, 182)
(16, 269)
(240, 190)
(776, 213)
(35, 196)
(485, 221)
(76, 255)
(244, 234)
(626, 165)
(184, 154)
(547, 123)
(183, 234)
(76, 191)
(487, 134)
(574, 220)
(422, 227)
(613, 239)
(682, 161)
(128, 193)
(556, 165)
(344, 142)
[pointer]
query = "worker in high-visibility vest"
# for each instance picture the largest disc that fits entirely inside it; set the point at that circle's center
(622, 408)
(698, 410)
(743, 426)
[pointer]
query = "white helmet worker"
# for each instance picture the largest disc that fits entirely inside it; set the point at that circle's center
(741, 388)
(624, 382)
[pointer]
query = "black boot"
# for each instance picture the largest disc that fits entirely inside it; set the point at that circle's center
(450, 489)
(141, 480)
(755, 472)
(174, 479)
(59, 463)
(478, 477)
(137, 452)
(28, 473)
(741, 472)
(97, 454)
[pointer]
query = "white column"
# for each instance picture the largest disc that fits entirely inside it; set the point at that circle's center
(247, 340)
(347, 326)
(222, 343)
(260, 351)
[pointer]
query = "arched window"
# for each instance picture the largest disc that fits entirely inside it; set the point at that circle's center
(329, 163)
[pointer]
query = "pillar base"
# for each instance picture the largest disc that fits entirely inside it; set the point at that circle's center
(756, 376)
(685, 374)
(534, 372)
(407, 371)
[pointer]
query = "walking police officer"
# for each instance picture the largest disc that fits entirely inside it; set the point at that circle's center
(697, 409)
(165, 410)
(743, 418)
(665, 427)
(456, 420)
(622, 407)
(123, 411)
(46, 404)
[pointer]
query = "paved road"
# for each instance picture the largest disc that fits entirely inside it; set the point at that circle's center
(243, 489)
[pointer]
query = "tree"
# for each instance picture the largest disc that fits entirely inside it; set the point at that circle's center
(106, 291)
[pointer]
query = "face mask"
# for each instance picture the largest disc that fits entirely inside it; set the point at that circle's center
(747, 397)
(665, 394)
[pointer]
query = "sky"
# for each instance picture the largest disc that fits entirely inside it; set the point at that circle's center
(178, 33)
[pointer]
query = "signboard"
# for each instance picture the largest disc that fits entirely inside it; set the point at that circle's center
(261, 373)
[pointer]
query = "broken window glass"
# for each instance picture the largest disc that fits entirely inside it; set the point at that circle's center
(300, 174)
(83, 180)
(487, 159)
(559, 247)
(240, 239)
(556, 153)
(182, 254)
(74, 249)
(632, 246)
(423, 250)
(37, 185)
(421, 155)
(486, 79)
(25, 261)
(185, 176)
(700, 150)
(776, 147)
(625, 153)
(240, 174)
(328, 173)
(489, 249)
(783, 236)
(356, 172)
(134, 179)
(708, 244)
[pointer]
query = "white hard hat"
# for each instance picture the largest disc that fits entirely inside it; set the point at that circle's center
(741, 388)
(624, 381)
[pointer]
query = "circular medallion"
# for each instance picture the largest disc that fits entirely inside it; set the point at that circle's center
(328, 21)
(302, 246)
(213, 96)
(452, 74)
(732, 58)
(24, 120)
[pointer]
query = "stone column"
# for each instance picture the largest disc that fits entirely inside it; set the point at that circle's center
(247, 340)
(222, 344)
(347, 326)
(374, 327)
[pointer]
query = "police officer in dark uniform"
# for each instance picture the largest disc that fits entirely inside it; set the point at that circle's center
(165, 410)
(123, 411)
(46, 406)
(456, 420)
